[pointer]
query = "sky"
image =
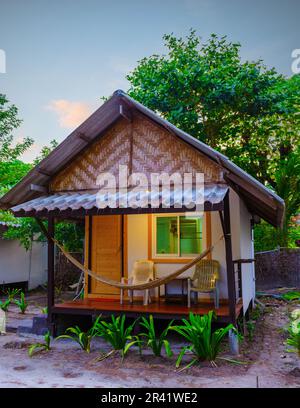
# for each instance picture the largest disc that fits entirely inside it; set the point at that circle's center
(62, 56)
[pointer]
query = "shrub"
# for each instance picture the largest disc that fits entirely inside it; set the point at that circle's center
(12, 293)
(5, 305)
(117, 335)
(290, 296)
(83, 338)
(155, 342)
(38, 347)
(22, 304)
(205, 344)
(293, 340)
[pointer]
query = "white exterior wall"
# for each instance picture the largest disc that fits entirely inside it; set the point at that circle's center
(137, 246)
(242, 246)
(19, 265)
(247, 252)
(219, 252)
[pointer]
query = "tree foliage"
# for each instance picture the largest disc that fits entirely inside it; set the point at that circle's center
(12, 170)
(243, 109)
(9, 122)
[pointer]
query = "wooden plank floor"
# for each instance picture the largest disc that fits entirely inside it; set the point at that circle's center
(162, 309)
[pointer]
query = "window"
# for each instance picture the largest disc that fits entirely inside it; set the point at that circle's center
(177, 235)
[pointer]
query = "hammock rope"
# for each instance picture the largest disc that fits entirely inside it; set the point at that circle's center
(141, 286)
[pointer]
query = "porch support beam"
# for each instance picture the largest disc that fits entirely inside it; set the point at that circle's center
(229, 261)
(51, 263)
(37, 187)
(222, 222)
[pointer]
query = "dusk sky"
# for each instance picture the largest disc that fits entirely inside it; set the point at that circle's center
(62, 56)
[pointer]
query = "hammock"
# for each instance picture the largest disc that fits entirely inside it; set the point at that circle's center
(141, 286)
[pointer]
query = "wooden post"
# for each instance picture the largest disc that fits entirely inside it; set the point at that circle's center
(50, 286)
(229, 262)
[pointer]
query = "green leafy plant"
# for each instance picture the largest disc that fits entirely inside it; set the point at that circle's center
(250, 329)
(290, 296)
(83, 338)
(58, 291)
(12, 293)
(154, 341)
(257, 312)
(118, 335)
(44, 310)
(22, 304)
(5, 305)
(293, 340)
(205, 343)
(38, 347)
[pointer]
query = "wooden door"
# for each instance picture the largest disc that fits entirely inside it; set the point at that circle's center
(106, 254)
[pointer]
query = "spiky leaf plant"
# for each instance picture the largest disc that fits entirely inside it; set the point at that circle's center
(205, 343)
(12, 293)
(83, 338)
(154, 341)
(117, 334)
(38, 347)
(22, 304)
(5, 305)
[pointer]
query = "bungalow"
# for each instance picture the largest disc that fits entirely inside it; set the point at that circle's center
(123, 134)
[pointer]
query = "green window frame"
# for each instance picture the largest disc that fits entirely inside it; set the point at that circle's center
(177, 235)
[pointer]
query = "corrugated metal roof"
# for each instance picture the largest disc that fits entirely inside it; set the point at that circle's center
(87, 200)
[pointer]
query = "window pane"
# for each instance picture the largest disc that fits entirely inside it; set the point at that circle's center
(166, 235)
(190, 235)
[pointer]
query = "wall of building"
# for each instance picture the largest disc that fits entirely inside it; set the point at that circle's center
(137, 246)
(219, 252)
(247, 252)
(242, 247)
(19, 265)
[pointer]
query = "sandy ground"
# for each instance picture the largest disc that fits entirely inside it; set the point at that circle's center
(266, 363)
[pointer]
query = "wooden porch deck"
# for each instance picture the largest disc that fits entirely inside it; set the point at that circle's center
(160, 309)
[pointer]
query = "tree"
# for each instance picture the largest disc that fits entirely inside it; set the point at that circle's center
(69, 234)
(9, 121)
(12, 170)
(243, 109)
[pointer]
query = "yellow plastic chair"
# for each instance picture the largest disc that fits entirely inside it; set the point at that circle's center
(205, 280)
(142, 272)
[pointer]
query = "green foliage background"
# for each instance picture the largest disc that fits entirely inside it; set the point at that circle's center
(243, 109)
(12, 170)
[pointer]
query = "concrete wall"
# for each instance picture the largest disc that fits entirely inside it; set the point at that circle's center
(278, 268)
(19, 265)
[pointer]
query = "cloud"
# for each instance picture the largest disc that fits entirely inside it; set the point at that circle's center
(70, 113)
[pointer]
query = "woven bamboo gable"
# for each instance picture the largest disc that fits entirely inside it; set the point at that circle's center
(144, 147)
